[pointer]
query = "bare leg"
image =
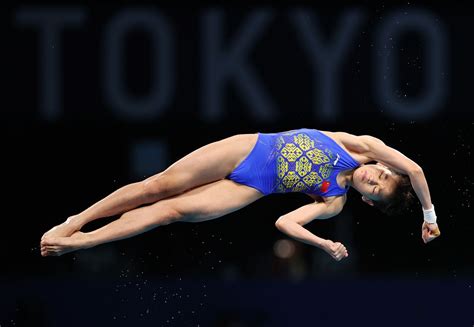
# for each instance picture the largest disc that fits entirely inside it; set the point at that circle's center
(205, 202)
(209, 163)
(128, 197)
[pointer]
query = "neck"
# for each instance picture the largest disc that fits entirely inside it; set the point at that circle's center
(347, 176)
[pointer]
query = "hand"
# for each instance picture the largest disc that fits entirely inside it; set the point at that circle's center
(429, 232)
(335, 249)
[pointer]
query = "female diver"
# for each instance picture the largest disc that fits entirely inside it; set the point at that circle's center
(226, 175)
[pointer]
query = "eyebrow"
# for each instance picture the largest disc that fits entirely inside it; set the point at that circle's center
(378, 191)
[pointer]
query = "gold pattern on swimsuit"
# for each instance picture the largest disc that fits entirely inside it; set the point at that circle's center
(303, 166)
(317, 156)
(291, 152)
(312, 179)
(290, 179)
(295, 161)
(325, 170)
(282, 166)
(300, 186)
(304, 141)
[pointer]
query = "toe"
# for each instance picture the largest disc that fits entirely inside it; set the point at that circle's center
(46, 241)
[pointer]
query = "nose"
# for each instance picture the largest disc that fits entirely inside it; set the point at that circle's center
(372, 182)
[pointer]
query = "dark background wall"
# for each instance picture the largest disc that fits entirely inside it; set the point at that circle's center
(97, 96)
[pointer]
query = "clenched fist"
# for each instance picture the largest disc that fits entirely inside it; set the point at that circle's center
(429, 231)
(335, 249)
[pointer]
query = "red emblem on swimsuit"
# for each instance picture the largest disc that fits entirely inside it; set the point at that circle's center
(325, 186)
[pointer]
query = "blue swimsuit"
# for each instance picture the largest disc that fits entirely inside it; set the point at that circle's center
(302, 160)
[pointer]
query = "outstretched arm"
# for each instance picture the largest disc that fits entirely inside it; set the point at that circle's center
(292, 225)
(377, 150)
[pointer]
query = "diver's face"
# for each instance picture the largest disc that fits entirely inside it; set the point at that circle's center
(374, 182)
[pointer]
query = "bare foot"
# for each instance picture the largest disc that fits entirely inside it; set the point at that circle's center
(56, 246)
(63, 230)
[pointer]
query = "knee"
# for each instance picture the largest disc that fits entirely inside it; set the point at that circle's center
(156, 187)
(169, 215)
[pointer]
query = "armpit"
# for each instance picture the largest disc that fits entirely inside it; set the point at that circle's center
(336, 201)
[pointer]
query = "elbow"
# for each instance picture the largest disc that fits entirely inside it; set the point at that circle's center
(337, 210)
(334, 211)
(279, 224)
(416, 170)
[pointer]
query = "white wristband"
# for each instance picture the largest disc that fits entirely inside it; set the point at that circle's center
(429, 215)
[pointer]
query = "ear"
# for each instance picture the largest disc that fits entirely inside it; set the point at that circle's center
(367, 200)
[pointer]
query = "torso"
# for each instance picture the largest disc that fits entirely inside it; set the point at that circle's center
(306, 162)
(346, 141)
